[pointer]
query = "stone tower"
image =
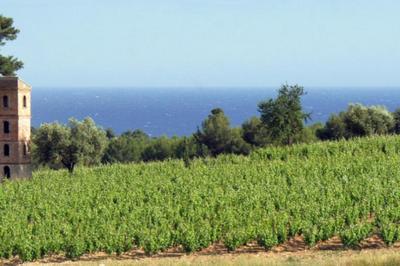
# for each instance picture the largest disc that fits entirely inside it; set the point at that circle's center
(15, 128)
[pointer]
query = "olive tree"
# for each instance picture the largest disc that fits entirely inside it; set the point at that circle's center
(78, 142)
(358, 121)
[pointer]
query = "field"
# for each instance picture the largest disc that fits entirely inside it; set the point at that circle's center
(350, 190)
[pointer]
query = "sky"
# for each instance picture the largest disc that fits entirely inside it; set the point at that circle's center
(206, 43)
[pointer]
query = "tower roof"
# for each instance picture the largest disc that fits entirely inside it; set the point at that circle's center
(13, 83)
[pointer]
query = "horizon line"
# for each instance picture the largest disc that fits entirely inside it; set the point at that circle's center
(212, 87)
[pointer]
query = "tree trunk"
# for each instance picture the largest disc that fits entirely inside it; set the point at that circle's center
(71, 168)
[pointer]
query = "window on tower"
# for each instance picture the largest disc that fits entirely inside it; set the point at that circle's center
(5, 101)
(6, 127)
(25, 149)
(24, 101)
(6, 150)
(7, 171)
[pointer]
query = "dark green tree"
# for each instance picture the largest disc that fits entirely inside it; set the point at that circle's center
(396, 116)
(334, 129)
(110, 133)
(237, 145)
(215, 132)
(8, 64)
(188, 148)
(160, 149)
(136, 134)
(126, 148)
(254, 133)
(218, 137)
(309, 133)
(283, 117)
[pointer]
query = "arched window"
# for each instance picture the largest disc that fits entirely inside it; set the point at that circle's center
(5, 101)
(6, 127)
(6, 150)
(7, 171)
(24, 101)
(25, 149)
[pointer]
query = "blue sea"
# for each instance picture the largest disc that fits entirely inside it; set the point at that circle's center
(179, 111)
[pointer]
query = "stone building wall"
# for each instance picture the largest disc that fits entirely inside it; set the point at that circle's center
(15, 109)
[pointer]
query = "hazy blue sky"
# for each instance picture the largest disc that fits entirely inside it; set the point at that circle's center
(206, 42)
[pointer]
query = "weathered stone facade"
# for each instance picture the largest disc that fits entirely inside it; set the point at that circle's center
(15, 128)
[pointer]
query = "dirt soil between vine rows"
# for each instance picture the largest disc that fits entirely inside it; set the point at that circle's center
(293, 251)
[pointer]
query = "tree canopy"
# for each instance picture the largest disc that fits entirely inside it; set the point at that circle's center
(283, 117)
(396, 116)
(8, 64)
(359, 121)
(218, 137)
(78, 142)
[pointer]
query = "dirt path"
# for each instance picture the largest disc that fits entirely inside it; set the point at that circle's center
(349, 257)
(293, 252)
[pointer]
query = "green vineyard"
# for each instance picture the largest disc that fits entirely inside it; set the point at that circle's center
(349, 189)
